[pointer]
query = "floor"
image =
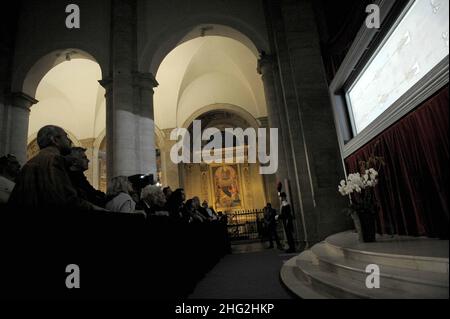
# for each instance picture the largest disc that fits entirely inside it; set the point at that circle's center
(250, 272)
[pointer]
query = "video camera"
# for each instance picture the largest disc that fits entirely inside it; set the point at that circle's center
(139, 181)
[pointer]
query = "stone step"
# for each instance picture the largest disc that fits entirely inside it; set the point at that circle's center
(326, 283)
(409, 253)
(298, 284)
(410, 268)
(429, 284)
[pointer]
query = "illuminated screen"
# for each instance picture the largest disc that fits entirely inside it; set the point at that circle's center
(415, 45)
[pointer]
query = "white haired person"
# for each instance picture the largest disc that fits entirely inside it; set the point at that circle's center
(118, 196)
(154, 201)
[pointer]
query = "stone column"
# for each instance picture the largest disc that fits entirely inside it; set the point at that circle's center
(122, 148)
(270, 181)
(143, 84)
(3, 123)
(88, 144)
(107, 84)
(309, 119)
(18, 117)
(170, 170)
(130, 127)
(276, 109)
(3, 111)
(266, 66)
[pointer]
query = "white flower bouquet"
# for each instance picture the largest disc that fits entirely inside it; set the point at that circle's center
(359, 187)
(357, 183)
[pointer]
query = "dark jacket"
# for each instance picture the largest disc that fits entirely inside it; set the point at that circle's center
(44, 183)
(269, 217)
(286, 217)
(85, 190)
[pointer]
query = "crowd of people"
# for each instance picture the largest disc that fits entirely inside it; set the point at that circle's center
(142, 229)
(54, 179)
(129, 241)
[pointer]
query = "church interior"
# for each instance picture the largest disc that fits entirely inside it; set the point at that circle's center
(352, 97)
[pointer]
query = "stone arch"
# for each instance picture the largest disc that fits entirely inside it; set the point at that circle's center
(198, 178)
(197, 26)
(234, 109)
(98, 160)
(30, 72)
(160, 137)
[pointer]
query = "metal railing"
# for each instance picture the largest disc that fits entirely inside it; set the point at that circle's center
(245, 225)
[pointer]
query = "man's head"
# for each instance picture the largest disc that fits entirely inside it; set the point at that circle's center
(177, 197)
(153, 195)
(189, 205)
(80, 162)
(283, 196)
(205, 204)
(182, 194)
(9, 166)
(196, 202)
(52, 135)
(167, 191)
(269, 205)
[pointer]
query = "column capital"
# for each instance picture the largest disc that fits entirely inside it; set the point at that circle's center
(144, 80)
(22, 100)
(264, 61)
(106, 83)
(264, 121)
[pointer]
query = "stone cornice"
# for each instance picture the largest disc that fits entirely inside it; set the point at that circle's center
(106, 83)
(21, 100)
(265, 61)
(144, 80)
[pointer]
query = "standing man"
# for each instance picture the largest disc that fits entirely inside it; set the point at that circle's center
(288, 223)
(271, 225)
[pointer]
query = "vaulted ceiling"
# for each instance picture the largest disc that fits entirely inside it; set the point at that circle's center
(205, 71)
(70, 96)
(198, 73)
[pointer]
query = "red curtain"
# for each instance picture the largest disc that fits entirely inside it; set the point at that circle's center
(413, 184)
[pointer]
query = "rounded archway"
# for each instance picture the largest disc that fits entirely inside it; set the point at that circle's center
(155, 51)
(227, 185)
(70, 96)
(201, 70)
(32, 70)
(207, 71)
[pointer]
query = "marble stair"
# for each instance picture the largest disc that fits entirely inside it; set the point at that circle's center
(410, 268)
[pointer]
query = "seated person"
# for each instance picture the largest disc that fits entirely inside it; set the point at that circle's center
(154, 201)
(138, 182)
(210, 211)
(175, 204)
(191, 213)
(9, 169)
(167, 192)
(44, 182)
(198, 208)
(118, 196)
(78, 164)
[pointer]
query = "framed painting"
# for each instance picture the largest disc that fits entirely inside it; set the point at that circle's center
(226, 187)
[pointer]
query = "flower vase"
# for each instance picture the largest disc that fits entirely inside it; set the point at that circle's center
(368, 229)
(357, 224)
